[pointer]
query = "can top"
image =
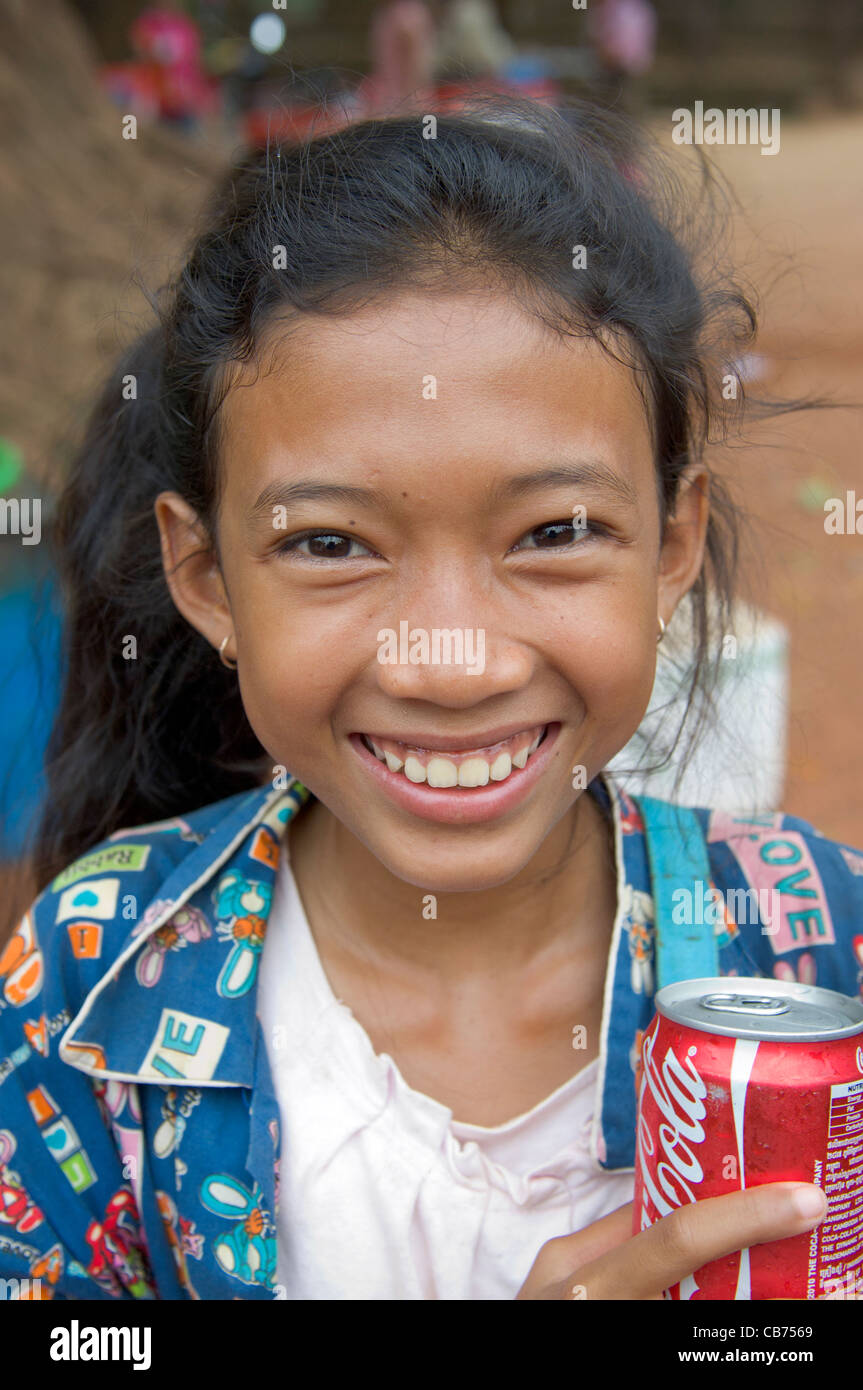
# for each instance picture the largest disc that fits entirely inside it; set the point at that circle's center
(739, 1006)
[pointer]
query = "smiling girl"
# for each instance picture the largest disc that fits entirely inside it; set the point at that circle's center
(351, 956)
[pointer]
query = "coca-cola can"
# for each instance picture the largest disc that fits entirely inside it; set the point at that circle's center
(747, 1081)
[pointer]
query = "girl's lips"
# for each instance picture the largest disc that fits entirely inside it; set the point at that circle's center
(458, 805)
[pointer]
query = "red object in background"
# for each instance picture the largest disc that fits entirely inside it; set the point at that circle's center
(263, 126)
(720, 1111)
(170, 42)
(166, 79)
(305, 120)
(140, 88)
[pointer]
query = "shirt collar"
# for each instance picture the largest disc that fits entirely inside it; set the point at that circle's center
(195, 1015)
(192, 1021)
(629, 985)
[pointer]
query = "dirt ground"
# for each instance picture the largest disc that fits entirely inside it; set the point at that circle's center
(802, 212)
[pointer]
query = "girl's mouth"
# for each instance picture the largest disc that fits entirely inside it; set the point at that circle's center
(475, 784)
(475, 768)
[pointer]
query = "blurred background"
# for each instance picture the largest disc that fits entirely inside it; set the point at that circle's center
(83, 210)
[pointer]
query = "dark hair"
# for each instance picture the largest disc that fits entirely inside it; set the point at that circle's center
(500, 194)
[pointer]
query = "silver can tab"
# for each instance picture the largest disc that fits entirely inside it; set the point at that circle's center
(745, 1004)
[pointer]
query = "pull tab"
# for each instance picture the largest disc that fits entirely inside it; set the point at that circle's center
(760, 1004)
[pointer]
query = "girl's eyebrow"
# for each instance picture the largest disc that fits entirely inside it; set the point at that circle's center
(584, 473)
(284, 494)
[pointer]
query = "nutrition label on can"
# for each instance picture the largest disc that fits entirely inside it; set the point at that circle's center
(839, 1238)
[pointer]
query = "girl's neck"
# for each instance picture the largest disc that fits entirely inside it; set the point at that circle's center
(563, 901)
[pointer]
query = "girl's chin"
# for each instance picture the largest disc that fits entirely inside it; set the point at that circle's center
(433, 879)
(434, 860)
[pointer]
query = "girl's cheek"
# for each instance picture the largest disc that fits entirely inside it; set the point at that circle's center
(607, 652)
(290, 689)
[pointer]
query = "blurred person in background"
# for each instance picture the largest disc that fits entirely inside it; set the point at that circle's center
(169, 40)
(623, 37)
(402, 45)
(474, 50)
(472, 40)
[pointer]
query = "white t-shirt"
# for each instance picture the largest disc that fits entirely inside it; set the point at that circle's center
(382, 1194)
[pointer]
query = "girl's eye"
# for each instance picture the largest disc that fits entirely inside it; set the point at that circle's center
(557, 535)
(324, 545)
(330, 545)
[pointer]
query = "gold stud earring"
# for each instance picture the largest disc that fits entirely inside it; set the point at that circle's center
(662, 629)
(226, 660)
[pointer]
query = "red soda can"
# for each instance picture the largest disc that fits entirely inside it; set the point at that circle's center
(748, 1081)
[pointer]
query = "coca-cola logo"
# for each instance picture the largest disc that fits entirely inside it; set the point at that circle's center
(679, 1093)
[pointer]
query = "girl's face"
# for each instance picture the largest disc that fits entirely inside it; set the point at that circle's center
(414, 469)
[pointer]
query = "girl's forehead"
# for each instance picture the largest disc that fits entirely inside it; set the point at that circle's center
(432, 362)
(442, 400)
(449, 438)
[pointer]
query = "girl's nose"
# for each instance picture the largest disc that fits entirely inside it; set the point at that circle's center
(457, 667)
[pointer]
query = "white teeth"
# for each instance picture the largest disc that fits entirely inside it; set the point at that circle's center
(440, 772)
(474, 772)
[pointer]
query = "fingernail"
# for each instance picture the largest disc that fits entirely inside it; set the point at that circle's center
(809, 1202)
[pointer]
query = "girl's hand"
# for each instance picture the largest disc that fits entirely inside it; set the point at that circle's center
(606, 1261)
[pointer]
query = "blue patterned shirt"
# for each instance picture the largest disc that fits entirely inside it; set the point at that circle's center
(139, 1130)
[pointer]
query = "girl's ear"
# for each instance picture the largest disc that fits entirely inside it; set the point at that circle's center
(682, 551)
(191, 569)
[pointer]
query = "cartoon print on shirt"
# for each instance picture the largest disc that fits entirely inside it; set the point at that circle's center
(246, 903)
(85, 939)
(265, 848)
(62, 1139)
(174, 825)
(155, 910)
(97, 897)
(638, 923)
(274, 1135)
(169, 1135)
(803, 970)
(857, 947)
(21, 965)
(281, 812)
(44, 1274)
(36, 1033)
(116, 1099)
(631, 822)
(726, 929)
(48, 1267)
(17, 1208)
(119, 1249)
(635, 1058)
(853, 860)
(184, 1242)
(188, 924)
(782, 862)
(39, 1032)
(248, 1252)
